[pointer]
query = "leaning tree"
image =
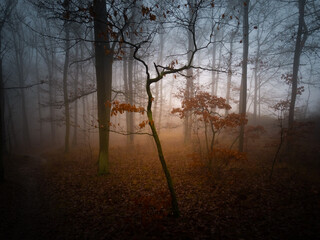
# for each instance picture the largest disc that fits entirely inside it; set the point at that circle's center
(174, 17)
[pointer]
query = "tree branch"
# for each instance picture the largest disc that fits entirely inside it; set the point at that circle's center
(23, 87)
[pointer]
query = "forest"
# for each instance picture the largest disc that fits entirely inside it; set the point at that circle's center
(160, 119)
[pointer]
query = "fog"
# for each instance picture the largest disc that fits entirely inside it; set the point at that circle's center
(170, 90)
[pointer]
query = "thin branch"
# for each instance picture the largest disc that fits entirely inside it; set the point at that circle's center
(23, 87)
(131, 133)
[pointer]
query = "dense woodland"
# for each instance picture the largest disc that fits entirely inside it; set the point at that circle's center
(160, 119)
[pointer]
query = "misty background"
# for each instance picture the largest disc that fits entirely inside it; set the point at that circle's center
(34, 65)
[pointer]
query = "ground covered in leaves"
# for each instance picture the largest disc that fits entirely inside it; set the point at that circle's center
(58, 196)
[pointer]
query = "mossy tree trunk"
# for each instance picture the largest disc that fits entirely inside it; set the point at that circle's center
(174, 202)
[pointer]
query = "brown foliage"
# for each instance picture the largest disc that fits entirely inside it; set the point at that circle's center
(205, 106)
(120, 108)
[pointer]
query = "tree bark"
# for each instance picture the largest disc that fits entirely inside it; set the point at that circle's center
(243, 91)
(300, 40)
(75, 85)
(125, 81)
(189, 86)
(130, 92)
(161, 83)
(256, 82)
(2, 132)
(214, 53)
(39, 100)
(49, 59)
(104, 61)
(219, 65)
(229, 78)
(174, 202)
(19, 56)
(65, 84)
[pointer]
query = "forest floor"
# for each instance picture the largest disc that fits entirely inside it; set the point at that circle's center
(59, 196)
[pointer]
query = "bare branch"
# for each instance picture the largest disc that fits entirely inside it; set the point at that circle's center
(23, 87)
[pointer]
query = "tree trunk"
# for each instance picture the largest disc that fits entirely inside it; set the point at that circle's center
(300, 40)
(49, 57)
(170, 100)
(209, 151)
(125, 81)
(65, 84)
(51, 97)
(104, 61)
(39, 101)
(131, 95)
(6, 9)
(189, 87)
(229, 78)
(243, 90)
(19, 54)
(84, 98)
(161, 83)
(174, 202)
(2, 128)
(219, 65)
(214, 51)
(75, 85)
(11, 128)
(256, 81)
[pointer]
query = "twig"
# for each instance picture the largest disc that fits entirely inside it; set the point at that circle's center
(28, 86)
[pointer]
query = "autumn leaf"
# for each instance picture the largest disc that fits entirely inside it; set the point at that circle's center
(152, 17)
